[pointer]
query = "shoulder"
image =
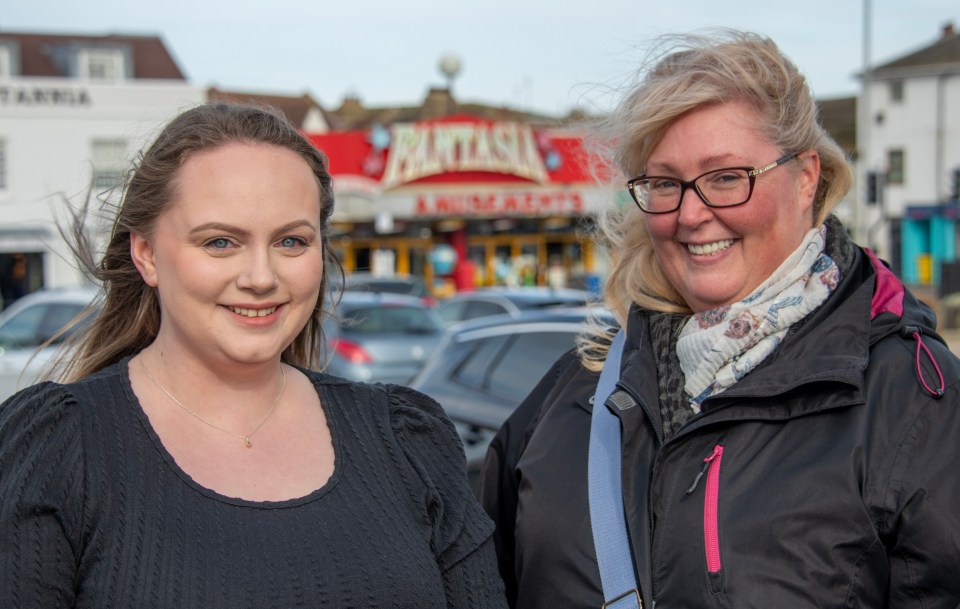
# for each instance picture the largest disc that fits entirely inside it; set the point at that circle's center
(566, 382)
(910, 350)
(42, 406)
(412, 412)
(427, 439)
(437, 475)
(41, 444)
(405, 407)
(566, 385)
(72, 412)
(51, 409)
(413, 418)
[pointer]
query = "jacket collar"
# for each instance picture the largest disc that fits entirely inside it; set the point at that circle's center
(826, 356)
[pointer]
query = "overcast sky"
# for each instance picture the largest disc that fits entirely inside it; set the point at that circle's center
(548, 56)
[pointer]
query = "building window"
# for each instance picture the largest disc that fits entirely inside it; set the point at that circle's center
(3, 167)
(895, 163)
(109, 159)
(6, 61)
(101, 64)
(896, 91)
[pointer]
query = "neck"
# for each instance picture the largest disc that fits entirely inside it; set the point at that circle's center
(207, 386)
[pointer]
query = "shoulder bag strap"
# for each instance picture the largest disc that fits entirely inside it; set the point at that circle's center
(607, 519)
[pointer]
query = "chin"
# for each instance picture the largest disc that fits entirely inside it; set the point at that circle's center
(254, 356)
(705, 301)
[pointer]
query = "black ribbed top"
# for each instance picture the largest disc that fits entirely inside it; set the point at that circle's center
(94, 512)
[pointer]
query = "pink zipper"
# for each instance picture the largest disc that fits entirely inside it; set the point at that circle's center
(711, 533)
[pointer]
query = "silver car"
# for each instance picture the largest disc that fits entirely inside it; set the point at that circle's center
(483, 302)
(27, 324)
(381, 337)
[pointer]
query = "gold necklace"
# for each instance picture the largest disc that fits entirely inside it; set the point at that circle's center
(244, 437)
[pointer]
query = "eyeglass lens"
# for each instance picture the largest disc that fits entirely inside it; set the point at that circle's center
(720, 188)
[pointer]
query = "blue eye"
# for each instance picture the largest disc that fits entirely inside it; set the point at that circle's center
(292, 242)
(664, 184)
(220, 243)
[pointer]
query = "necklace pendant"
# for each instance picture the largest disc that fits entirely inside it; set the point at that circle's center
(248, 442)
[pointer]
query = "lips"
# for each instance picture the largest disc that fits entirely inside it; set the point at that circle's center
(707, 249)
(252, 312)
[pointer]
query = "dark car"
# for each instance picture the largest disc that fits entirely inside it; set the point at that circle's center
(486, 367)
(381, 337)
(483, 302)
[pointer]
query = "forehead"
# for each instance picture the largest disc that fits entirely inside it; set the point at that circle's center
(242, 153)
(711, 136)
(241, 178)
(236, 163)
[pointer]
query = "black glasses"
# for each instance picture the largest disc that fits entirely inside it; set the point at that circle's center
(727, 187)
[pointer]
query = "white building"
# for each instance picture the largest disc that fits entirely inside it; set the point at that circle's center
(909, 137)
(74, 110)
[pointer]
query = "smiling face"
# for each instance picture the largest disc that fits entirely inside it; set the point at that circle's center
(237, 256)
(715, 257)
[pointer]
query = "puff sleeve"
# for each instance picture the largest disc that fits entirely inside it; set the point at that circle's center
(41, 497)
(461, 531)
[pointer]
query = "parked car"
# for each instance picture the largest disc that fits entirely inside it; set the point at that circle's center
(381, 337)
(27, 324)
(386, 284)
(484, 368)
(482, 302)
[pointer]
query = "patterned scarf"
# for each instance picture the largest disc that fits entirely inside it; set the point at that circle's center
(716, 348)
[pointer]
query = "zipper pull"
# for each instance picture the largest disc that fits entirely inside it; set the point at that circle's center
(706, 465)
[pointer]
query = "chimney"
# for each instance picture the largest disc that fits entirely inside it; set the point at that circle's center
(439, 102)
(351, 112)
(947, 30)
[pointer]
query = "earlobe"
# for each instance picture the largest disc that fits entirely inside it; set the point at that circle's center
(142, 254)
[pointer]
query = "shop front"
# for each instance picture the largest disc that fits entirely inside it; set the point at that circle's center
(929, 239)
(464, 202)
(22, 253)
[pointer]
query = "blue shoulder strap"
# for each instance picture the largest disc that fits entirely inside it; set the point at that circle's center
(617, 577)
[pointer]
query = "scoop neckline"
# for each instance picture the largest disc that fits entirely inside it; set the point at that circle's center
(333, 424)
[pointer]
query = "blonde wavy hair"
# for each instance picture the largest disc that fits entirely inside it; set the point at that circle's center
(690, 72)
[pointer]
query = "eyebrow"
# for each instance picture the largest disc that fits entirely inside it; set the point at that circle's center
(229, 228)
(717, 161)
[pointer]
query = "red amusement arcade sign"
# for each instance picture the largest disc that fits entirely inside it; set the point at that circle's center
(463, 166)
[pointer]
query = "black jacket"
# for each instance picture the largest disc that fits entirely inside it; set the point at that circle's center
(834, 481)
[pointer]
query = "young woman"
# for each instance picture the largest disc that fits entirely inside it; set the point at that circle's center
(191, 458)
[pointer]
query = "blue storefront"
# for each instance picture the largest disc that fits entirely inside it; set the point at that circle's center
(928, 241)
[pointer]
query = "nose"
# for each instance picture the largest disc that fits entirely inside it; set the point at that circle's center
(693, 211)
(258, 275)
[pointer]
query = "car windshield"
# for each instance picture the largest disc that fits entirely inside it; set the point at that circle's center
(383, 319)
(412, 286)
(38, 323)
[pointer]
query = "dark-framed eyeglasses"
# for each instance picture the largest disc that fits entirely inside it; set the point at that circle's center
(727, 187)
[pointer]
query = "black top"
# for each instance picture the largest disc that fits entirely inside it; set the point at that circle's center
(94, 512)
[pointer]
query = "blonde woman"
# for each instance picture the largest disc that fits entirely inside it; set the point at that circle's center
(787, 416)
